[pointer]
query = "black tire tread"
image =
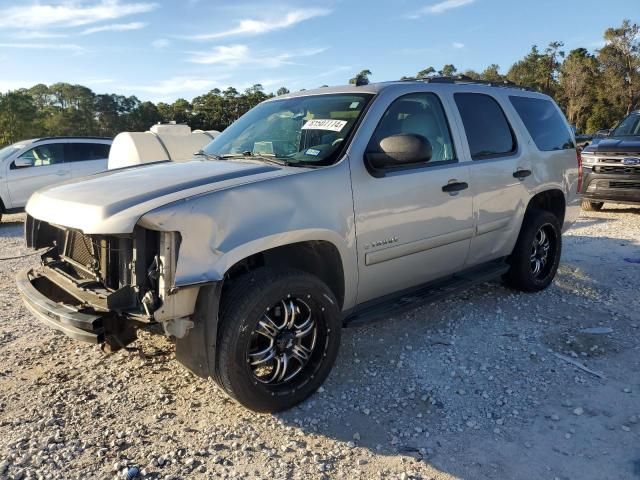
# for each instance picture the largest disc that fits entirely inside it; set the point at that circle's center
(238, 298)
(519, 275)
(589, 206)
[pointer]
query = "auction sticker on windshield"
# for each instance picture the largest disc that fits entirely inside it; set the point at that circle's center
(320, 124)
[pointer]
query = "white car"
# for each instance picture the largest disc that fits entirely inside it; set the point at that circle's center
(33, 164)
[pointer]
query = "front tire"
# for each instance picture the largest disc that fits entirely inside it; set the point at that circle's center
(536, 256)
(588, 206)
(278, 338)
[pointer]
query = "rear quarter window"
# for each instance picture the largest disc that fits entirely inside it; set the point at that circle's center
(488, 131)
(543, 122)
(80, 152)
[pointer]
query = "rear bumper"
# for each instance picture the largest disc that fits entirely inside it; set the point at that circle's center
(73, 321)
(600, 187)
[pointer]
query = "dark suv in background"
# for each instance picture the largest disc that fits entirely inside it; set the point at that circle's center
(611, 166)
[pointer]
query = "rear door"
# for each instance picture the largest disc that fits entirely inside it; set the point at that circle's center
(86, 158)
(500, 172)
(46, 168)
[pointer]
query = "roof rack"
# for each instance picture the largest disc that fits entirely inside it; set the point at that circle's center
(467, 79)
(77, 137)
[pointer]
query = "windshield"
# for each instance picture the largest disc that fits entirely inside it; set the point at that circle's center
(7, 151)
(303, 130)
(630, 126)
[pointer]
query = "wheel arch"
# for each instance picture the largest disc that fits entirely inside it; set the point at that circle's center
(321, 258)
(552, 200)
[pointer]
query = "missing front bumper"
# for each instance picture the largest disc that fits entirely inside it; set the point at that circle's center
(64, 317)
(58, 308)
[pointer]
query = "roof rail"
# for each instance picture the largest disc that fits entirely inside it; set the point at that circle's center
(77, 137)
(467, 79)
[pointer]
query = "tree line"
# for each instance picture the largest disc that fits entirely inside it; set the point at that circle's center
(595, 90)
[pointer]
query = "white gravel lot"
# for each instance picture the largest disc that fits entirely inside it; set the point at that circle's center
(467, 387)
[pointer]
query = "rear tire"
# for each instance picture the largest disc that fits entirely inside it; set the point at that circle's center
(536, 256)
(278, 338)
(592, 206)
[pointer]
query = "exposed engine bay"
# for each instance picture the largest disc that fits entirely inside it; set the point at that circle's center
(121, 282)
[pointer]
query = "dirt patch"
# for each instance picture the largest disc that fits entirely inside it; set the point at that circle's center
(468, 387)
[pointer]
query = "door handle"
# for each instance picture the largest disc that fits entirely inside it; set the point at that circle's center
(60, 173)
(454, 186)
(521, 174)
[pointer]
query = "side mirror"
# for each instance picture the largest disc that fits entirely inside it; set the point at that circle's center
(22, 162)
(399, 151)
(603, 133)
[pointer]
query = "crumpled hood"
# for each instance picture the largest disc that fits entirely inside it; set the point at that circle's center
(113, 201)
(615, 145)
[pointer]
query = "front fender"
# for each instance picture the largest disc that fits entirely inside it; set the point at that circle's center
(224, 227)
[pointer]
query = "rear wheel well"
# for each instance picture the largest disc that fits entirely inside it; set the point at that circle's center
(551, 201)
(319, 258)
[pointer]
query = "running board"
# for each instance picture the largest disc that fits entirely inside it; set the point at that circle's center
(397, 303)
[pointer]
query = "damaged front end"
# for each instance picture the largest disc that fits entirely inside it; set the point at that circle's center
(103, 288)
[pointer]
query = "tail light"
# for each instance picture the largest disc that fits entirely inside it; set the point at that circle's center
(579, 159)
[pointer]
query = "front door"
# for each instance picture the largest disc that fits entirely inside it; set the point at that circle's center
(412, 225)
(46, 167)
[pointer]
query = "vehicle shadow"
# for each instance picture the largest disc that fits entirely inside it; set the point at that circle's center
(462, 385)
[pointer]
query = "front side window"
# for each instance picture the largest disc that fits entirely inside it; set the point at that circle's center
(629, 127)
(295, 131)
(543, 122)
(488, 131)
(80, 152)
(419, 114)
(44, 155)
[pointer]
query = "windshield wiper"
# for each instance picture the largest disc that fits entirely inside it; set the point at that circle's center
(264, 158)
(208, 156)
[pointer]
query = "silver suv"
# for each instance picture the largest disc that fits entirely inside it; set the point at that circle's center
(313, 210)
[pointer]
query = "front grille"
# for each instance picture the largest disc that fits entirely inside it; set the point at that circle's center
(631, 185)
(616, 169)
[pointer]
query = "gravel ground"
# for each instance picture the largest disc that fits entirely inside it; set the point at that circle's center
(468, 387)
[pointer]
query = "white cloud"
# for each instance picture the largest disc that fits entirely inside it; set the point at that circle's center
(69, 13)
(236, 55)
(441, 7)
(45, 46)
(258, 27)
(160, 43)
(115, 27)
(457, 45)
(180, 86)
(226, 55)
(36, 35)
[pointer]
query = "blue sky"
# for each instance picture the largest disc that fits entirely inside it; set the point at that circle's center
(163, 50)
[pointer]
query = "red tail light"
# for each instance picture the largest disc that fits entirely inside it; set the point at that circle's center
(579, 158)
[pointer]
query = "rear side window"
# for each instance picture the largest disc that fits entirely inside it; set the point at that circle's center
(79, 152)
(544, 123)
(488, 131)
